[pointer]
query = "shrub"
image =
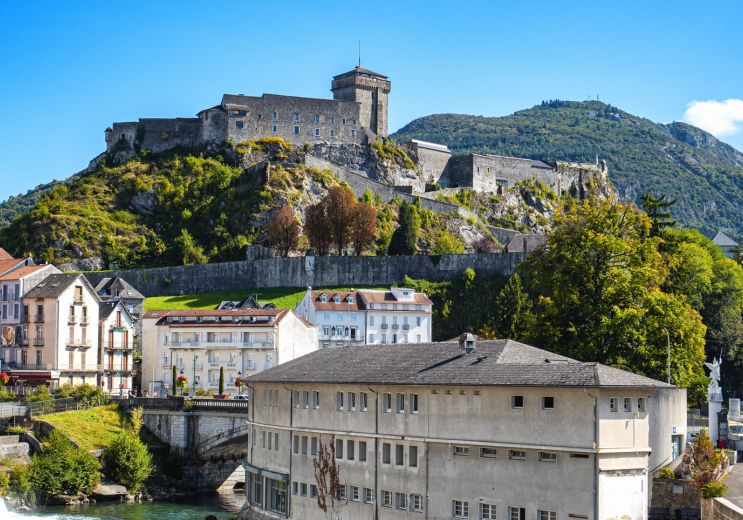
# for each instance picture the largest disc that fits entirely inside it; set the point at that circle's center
(7, 395)
(20, 480)
(42, 393)
(667, 473)
(447, 244)
(62, 469)
(714, 490)
(203, 393)
(127, 461)
(4, 484)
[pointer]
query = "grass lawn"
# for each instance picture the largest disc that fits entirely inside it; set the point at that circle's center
(92, 429)
(282, 297)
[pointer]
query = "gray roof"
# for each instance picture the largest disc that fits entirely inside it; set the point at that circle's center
(722, 240)
(492, 363)
(55, 284)
(361, 70)
(105, 309)
(126, 290)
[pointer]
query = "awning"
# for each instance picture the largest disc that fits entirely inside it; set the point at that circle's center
(36, 375)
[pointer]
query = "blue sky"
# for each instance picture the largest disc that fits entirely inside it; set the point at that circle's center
(69, 69)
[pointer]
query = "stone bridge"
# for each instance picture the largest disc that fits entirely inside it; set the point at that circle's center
(211, 434)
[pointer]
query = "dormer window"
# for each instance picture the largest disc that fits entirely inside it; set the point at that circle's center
(337, 299)
(324, 298)
(350, 298)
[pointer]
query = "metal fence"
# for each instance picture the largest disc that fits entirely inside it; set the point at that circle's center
(64, 405)
(178, 403)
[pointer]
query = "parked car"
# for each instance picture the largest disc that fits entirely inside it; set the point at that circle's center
(240, 397)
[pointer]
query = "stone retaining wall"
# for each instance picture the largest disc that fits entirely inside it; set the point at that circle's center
(720, 509)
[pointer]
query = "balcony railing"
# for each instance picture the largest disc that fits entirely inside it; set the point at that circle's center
(39, 318)
(26, 319)
(25, 342)
(214, 364)
(258, 344)
(38, 342)
(181, 343)
(221, 341)
(395, 326)
(78, 299)
(85, 343)
(231, 365)
(71, 320)
(405, 326)
(385, 326)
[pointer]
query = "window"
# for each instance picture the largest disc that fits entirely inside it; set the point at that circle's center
(517, 401)
(579, 455)
(355, 495)
(274, 129)
(353, 122)
(516, 455)
(371, 320)
(488, 453)
(386, 498)
(487, 511)
(627, 404)
(295, 398)
(362, 451)
(350, 452)
(386, 453)
(399, 455)
(640, 404)
(342, 492)
(303, 489)
(295, 488)
(295, 117)
(401, 501)
(368, 496)
(338, 448)
(317, 119)
(313, 446)
(305, 400)
(256, 489)
(343, 120)
(387, 403)
(413, 456)
(460, 509)
(413, 403)
(546, 515)
(461, 451)
(416, 503)
(400, 403)
(364, 401)
(316, 400)
(353, 133)
(547, 456)
(276, 441)
(239, 125)
(516, 513)
(351, 401)
(275, 115)
(317, 132)
(332, 133)
(418, 321)
(313, 491)
(304, 445)
(548, 403)
(614, 404)
(276, 495)
(296, 129)
(339, 401)
(296, 444)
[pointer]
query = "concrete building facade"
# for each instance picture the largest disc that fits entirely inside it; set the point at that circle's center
(357, 111)
(493, 429)
(344, 318)
(198, 344)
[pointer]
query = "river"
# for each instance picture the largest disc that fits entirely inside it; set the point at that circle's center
(222, 505)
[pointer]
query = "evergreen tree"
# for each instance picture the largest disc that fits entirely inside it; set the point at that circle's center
(513, 310)
(405, 238)
(221, 380)
(657, 209)
(175, 378)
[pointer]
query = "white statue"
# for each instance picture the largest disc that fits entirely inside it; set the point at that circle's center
(714, 373)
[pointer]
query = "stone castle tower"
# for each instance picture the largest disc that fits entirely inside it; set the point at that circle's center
(369, 88)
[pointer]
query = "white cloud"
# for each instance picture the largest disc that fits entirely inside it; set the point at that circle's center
(719, 118)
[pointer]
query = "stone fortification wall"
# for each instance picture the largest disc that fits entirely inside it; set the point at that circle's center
(432, 159)
(345, 271)
(155, 135)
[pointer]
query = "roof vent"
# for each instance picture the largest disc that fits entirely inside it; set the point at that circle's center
(467, 342)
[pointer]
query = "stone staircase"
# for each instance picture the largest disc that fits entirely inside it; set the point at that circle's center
(11, 446)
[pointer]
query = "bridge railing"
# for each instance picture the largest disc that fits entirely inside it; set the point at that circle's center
(180, 404)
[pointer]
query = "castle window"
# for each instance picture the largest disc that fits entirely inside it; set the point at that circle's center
(343, 121)
(317, 132)
(353, 134)
(273, 129)
(296, 129)
(317, 119)
(239, 113)
(332, 120)
(275, 115)
(295, 116)
(332, 133)
(239, 125)
(260, 117)
(353, 122)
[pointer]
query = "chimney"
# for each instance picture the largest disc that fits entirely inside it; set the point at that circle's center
(467, 342)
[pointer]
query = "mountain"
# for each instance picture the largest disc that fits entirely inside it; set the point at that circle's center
(704, 175)
(18, 204)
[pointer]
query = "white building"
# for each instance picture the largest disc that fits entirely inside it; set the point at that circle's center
(344, 318)
(14, 319)
(493, 429)
(201, 342)
(63, 331)
(116, 347)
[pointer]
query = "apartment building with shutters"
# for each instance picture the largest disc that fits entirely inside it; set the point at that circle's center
(116, 347)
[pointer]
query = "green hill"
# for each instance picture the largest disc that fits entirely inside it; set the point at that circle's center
(703, 174)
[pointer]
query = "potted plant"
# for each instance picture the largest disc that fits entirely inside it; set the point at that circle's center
(4, 378)
(182, 383)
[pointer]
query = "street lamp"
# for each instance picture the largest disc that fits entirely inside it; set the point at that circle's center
(194, 375)
(668, 337)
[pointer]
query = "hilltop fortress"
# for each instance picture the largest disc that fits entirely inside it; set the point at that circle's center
(354, 119)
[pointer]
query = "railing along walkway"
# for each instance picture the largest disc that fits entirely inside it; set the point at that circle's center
(179, 404)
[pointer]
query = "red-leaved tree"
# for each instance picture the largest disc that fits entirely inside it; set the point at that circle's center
(283, 231)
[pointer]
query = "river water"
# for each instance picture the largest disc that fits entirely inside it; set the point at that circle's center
(222, 505)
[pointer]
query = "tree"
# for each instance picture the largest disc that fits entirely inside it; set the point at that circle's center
(62, 469)
(318, 229)
(128, 461)
(405, 238)
(175, 378)
(283, 231)
(513, 317)
(706, 465)
(657, 210)
(341, 207)
(191, 251)
(328, 478)
(221, 380)
(485, 244)
(446, 243)
(599, 298)
(364, 227)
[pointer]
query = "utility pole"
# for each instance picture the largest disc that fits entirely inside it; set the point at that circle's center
(668, 337)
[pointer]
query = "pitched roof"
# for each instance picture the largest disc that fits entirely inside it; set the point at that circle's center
(722, 240)
(55, 284)
(23, 271)
(361, 70)
(389, 297)
(330, 305)
(8, 265)
(105, 309)
(4, 255)
(126, 290)
(492, 363)
(215, 317)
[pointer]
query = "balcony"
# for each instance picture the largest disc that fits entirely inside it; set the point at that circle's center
(193, 343)
(405, 326)
(78, 343)
(214, 364)
(384, 326)
(71, 320)
(26, 319)
(78, 299)
(38, 342)
(395, 326)
(232, 366)
(25, 342)
(39, 318)
(258, 344)
(84, 320)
